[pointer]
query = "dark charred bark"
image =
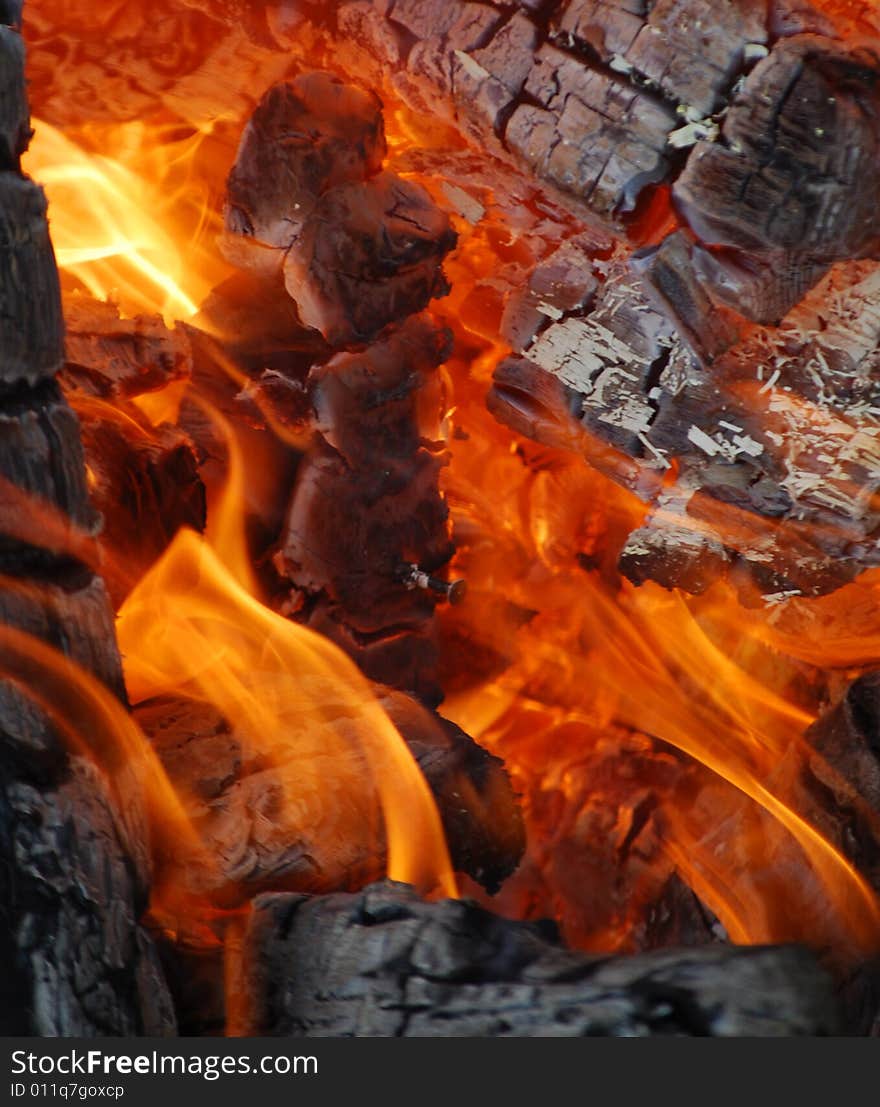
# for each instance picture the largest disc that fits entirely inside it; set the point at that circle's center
(75, 871)
(384, 964)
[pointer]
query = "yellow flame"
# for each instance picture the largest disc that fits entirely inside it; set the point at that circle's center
(194, 626)
(122, 233)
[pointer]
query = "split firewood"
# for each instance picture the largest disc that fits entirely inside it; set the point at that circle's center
(274, 822)
(382, 963)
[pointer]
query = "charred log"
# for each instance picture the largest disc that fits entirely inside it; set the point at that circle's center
(31, 323)
(384, 964)
(233, 789)
(786, 191)
(74, 872)
(77, 963)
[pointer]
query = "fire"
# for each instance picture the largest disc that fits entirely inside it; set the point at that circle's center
(584, 671)
(129, 223)
(591, 654)
(194, 626)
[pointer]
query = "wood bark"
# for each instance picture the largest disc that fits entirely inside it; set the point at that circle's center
(75, 870)
(382, 963)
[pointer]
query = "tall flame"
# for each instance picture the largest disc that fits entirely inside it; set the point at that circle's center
(194, 626)
(130, 223)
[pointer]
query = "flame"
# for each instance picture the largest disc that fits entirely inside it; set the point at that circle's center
(194, 626)
(586, 654)
(130, 223)
(699, 702)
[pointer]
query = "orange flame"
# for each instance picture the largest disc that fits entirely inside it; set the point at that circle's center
(195, 627)
(579, 653)
(130, 223)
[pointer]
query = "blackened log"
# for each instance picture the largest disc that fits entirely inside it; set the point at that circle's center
(15, 126)
(790, 189)
(76, 961)
(73, 839)
(31, 323)
(384, 402)
(848, 736)
(262, 829)
(563, 284)
(45, 511)
(74, 616)
(674, 548)
(590, 133)
(671, 278)
(384, 964)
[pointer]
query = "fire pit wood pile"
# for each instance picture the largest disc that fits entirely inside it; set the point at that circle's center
(384, 963)
(753, 126)
(75, 874)
(679, 201)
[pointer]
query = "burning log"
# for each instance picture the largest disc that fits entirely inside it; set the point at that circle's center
(112, 358)
(369, 256)
(383, 963)
(785, 192)
(232, 790)
(143, 476)
(360, 248)
(304, 138)
(366, 506)
(75, 873)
